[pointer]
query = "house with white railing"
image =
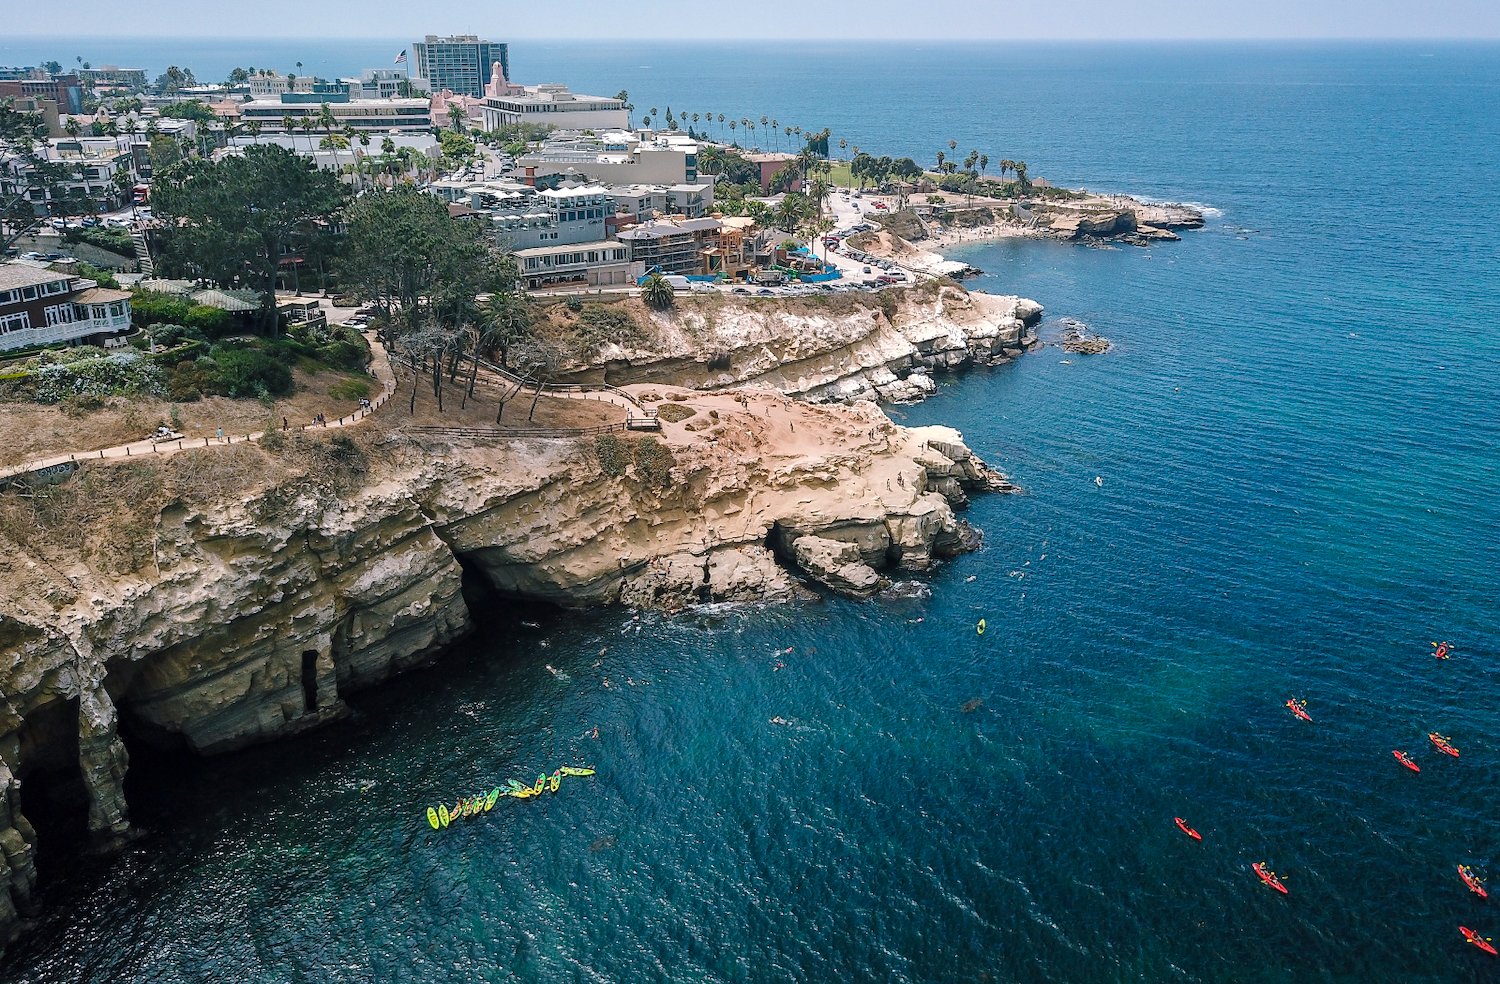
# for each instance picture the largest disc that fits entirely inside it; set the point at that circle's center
(39, 306)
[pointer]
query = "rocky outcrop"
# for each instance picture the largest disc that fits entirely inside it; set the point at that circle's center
(252, 613)
(837, 565)
(841, 348)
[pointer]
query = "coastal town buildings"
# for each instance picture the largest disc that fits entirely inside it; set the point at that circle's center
(597, 264)
(39, 306)
(552, 104)
(88, 172)
(460, 63)
(613, 158)
(64, 90)
(690, 247)
(360, 114)
(770, 165)
(424, 149)
(640, 202)
(113, 76)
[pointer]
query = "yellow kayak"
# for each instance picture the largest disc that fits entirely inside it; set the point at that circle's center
(541, 784)
(554, 782)
(443, 815)
(573, 770)
(432, 818)
(522, 794)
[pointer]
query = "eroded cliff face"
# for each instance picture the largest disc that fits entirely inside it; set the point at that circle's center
(248, 612)
(840, 348)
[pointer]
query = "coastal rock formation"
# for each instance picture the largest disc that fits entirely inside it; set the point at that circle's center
(836, 349)
(248, 610)
(837, 565)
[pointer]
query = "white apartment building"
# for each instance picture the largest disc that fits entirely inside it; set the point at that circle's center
(553, 105)
(613, 159)
(361, 114)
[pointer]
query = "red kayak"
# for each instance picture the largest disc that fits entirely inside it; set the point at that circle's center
(1442, 744)
(1406, 761)
(1297, 708)
(1477, 940)
(1182, 826)
(1269, 877)
(1440, 651)
(1472, 880)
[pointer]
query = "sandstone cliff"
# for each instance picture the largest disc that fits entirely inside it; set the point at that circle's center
(839, 348)
(234, 595)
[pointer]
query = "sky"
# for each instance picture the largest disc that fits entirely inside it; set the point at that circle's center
(696, 19)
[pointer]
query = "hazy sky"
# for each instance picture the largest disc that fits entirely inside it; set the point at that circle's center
(669, 19)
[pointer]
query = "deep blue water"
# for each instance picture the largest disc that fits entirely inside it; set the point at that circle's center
(1297, 437)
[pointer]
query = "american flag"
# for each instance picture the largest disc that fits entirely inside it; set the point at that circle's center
(401, 58)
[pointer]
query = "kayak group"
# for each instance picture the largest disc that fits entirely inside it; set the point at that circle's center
(1444, 744)
(441, 816)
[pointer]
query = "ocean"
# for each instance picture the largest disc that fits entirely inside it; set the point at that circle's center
(1296, 446)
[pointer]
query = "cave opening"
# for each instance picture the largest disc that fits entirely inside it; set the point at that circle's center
(54, 796)
(310, 680)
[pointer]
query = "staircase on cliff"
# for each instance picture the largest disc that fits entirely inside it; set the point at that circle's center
(142, 251)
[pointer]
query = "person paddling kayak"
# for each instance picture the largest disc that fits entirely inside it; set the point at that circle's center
(1483, 942)
(1405, 760)
(1440, 650)
(1183, 826)
(1299, 709)
(1472, 880)
(1443, 744)
(1269, 877)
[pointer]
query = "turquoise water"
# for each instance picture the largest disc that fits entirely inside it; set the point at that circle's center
(1297, 438)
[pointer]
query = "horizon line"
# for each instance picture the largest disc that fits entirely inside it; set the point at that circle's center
(1272, 39)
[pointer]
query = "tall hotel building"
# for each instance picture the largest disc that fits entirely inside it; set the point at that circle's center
(460, 63)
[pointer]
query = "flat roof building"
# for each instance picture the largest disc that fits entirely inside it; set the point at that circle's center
(599, 264)
(460, 62)
(361, 114)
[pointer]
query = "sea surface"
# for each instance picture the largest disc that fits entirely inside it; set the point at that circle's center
(1280, 482)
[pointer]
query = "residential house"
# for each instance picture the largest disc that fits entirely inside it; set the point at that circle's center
(42, 307)
(599, 264)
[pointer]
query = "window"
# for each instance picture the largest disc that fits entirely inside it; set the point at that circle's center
(15, 322)
(59, 314)
(29, 293)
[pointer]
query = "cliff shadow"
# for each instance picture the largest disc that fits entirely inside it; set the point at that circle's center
(54, 796)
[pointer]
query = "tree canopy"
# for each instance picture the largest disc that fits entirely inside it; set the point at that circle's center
(244, 216)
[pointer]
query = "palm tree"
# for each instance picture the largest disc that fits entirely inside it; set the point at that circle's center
(818, 192)
(657, 292)
(334, 142)
(72, 128)
(254, 127)
(289, 127)
(940, 158)
(308, 125)
(721, 125)
(1020, 168)
(456, 117)
(776, 132)
(952, 144)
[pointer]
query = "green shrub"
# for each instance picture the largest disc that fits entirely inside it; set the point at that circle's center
(574, 303)
(171, 336)
(674, 412)
(610, 451)
(603, 324)
(79, 373)
(209, 321)
(653, 463)
(243, 372)
(150, 308)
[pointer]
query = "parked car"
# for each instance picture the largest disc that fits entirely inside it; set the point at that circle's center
(766, 292)
(740, 290)
(865, 269)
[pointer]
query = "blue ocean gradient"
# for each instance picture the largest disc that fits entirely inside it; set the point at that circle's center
(1296, 444)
